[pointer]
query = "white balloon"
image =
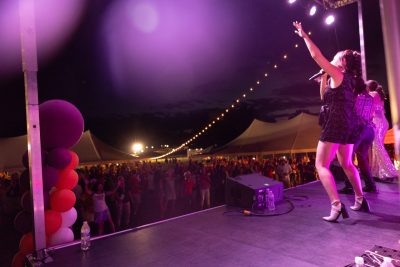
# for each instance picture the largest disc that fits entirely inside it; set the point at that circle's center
(68, 217)
(63, 235)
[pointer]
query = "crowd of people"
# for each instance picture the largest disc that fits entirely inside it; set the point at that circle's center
(113, 197)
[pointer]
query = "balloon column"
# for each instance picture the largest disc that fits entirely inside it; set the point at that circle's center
(62, 126)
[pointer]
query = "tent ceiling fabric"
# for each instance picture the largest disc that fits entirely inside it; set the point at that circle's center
(89, 149)
(297, 135)
(11, 151)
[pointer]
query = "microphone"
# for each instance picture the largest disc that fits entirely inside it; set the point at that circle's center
(317, 75)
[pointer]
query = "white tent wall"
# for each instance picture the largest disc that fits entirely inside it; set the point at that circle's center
(11, 151)
(297, 135)
(90, 150)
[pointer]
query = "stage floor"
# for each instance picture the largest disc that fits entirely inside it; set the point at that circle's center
(212, 238)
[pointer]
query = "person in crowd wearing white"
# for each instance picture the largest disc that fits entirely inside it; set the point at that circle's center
(101, 211)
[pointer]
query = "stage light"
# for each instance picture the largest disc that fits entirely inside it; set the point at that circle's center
(329, 19)
(313, 10)
(137, 148)
(291, 1)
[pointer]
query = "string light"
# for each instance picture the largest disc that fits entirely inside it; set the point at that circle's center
(222, 114)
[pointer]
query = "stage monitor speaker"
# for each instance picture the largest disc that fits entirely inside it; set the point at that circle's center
(249, 191)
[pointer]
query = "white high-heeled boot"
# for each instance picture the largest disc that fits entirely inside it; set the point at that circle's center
(360, 204)
(337, 209)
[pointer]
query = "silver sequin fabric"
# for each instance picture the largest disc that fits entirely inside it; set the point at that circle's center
(381, 165)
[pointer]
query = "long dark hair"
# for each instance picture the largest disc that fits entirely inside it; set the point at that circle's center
(374, 86)
(353, 67)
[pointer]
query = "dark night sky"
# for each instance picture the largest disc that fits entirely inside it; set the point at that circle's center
(162, 81)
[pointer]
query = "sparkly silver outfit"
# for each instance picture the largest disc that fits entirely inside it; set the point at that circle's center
(381, 165)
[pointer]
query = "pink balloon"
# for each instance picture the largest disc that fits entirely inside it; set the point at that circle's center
(63, 235)
(68, 217)
(61, 124)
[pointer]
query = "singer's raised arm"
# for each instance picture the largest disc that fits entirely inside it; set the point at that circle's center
(322, 86)
(332, 70)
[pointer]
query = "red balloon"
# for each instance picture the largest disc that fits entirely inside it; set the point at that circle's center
(23, 222)
(26, 243)
(62, 200)
(74, 161)
(50, 177)
(18, 260)
(68, 179)
(52, 220)
(24, 181)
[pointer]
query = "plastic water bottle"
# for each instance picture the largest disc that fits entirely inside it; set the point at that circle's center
(387, 262)
(359, 261)
(270, 200)
(85, 236)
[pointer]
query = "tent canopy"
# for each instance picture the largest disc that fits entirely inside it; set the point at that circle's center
(89, 149)
(297, 135)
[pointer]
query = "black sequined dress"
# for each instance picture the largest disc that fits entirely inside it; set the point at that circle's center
(341, 124)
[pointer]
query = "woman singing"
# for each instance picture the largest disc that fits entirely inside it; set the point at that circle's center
(340, 123)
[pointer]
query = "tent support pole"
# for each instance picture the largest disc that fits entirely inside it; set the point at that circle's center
(390, 10)
(30, 68)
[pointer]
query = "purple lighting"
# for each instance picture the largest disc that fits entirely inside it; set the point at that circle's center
(55, 21)
(160, 51)
(145, 17)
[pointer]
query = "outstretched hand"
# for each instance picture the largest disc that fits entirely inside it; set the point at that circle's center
(299, 29)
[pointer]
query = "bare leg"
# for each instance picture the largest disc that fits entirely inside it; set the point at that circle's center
(110, 221)
(325, 153)
(101, 228)
(345, 158)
